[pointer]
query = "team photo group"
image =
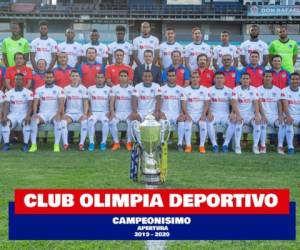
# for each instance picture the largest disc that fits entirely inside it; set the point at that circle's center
(196, 85)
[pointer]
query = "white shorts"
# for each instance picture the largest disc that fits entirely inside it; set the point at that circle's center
(195, 117)
(122, 116)
(247, 119)
(74, 116)
(172, 117)
(47, 117)
(16, 119)
(99, 116)
(296, 120)
(221, 120)
(273, 121)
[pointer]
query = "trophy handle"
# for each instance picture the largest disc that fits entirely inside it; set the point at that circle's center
(165, 127)
(135, 131)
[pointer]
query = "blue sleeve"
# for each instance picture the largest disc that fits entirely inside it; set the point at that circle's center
(3, 71)
(79, 70)
(288, 78)
(103, 67)
(186, 74)
(164, 75)
(238, 75)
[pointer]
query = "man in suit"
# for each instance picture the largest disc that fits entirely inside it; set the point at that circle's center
(155, 70)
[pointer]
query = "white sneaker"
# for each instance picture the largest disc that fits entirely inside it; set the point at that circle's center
(238, 150)
(280, 151)
(255, 150)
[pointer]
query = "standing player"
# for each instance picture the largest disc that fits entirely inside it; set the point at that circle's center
(2, 96)
(254, 43)
(120, 109)
(291, 107)
(246, 109)
(120, 44)
(17, 111)
(195, 107)
(206, 75)
(98, 96)
(281, 77)
(195, 48)
(77, 107)
(270, 110)
(230, 72)
(166, 48)
(38, 77)
(101, 49)
(172, 96)
(47, 108)
(145, 41)
(2, 77)
(225, 48)
(73, 49)
(43, 47)
(286, 48)
(62, 71)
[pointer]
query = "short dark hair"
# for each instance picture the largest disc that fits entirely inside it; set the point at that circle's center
(43, 23)
(17, 54)
(123, 71)
(74, 71)
(277, 56)
(92, 48)
(175, 51)
(119, 50)
(148, 51)
(195, 28)
(49, 72)
(219, 73)
(19, 74)
(170, 28)
(120, 28)
(16, 23)
(225, 32)
(254, 25)
(254, 52)
(94, 31)
(171, 70)
(147, 71)
(295, 74)
(246, 74)
(201, 55)
(267, 72)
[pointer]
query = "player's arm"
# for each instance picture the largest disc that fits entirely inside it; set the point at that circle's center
(85, 107)
(5, 111)
(29, 112)
(134, 104)
(187, 63)
(135, 57)
(280, 111)
(53, 61)
(5, 60)
(216, 66)
(157, 106)
(205, 110)
(61, 107)
(265, 60)
(112, 101)
(35, 105)
(7, 84)
(108, 76)
(256, 110)
(32, 60)
(262, 113)
(110, 58)
(235, 109)
(236, 62)
(285, 105)
(243, 60)
(156, 56)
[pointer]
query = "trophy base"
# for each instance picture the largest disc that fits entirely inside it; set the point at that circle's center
(151, 179)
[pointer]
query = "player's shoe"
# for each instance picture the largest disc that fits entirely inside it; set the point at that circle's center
(33, 148)
(56, 148)
(81, 147)
(291, 151)
(255, 150)
(201, 150)
(215, 149)
(188, 149)
(179, 148)
(115, 146)
(280, 150)
(91, 147)
(25, 147)
(102, 146)
(225, 149)
(5, 147)
(129, 146)
(263, 150)
(238, 150)
(66, 147)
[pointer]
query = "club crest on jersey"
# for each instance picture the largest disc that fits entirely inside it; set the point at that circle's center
(201, 93)
(251, 93)
(97, 67)
(233, 74)
(54, 92)
(177, 91)
(49, 44)
(151, 41)
(80, 91)
(129, 92)
(225, 94)
(105, 92)
(273, 94)
(152, 90)
(260, 71)
(283, 75)
(213, 94)
(290, 46)
(290, 96)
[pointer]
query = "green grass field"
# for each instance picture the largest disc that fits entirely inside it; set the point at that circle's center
(75, 169)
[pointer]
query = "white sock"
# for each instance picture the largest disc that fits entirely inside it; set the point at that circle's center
(229, 133)
(180, 128)
(188, 133)
(91, 129)
(129, 131)
(64, 132)
(289, 135)
(34, 130)
(57, 131)
(281, 135)
(114, 130)
(6, 132)
(105, 129)
(211, 133)
(83, 131)
(203, 132)
(256, 133)
(26, 133)
(238, 134)
(263, 135)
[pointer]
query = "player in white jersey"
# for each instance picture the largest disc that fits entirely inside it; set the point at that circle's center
(17, 111)
(246, 109)
(98, 96)
(43, 47)
(47, 108)
(291, 107)
(73, 49)
(101, 48)
(254, 44)
(270, 110)
(120, 109)
(120, 44)
(1, 111)
(195, 108)
(166, 49)
(196, 48)
(145, 42)
(225, 48)
(219, 112)
(77, 108)
(171, 102)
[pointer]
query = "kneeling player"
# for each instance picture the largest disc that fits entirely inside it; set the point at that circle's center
(99, 106)
(120, 109)
(76, 109)
(172, 96)
(49, 100)
(246, 109)
(17, 111)
(219, 112)
(291, 107)
(195, 107)
(270, 110)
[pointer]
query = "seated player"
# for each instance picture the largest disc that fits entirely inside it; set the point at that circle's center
(291, 107)
(270, 110)
(77, 107)
(146, 98)
(281, 77)
(172, 95)
(245, 107)
(98, 96)
(120, 109)
(195, 108)
(230, 72)
(219, 112)
(47, 108)
(17, 110)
